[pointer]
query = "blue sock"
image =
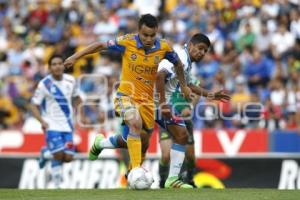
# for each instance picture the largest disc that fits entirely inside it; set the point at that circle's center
(114, 140)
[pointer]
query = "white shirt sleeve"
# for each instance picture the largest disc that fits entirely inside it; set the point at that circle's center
(39, 94)
(168, 67)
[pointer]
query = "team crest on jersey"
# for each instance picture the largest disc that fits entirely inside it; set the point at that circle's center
(156, 59)
(133, 57)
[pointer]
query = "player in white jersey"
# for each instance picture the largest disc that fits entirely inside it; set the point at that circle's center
(168, 114)
(52, 104)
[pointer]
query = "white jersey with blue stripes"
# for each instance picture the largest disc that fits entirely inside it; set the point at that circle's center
(56, 117)
(171, 82)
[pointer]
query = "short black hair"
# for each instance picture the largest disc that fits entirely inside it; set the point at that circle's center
(148, 20)
(55, 56)
(199, 37)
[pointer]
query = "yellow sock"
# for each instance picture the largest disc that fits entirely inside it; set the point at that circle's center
(143, 159)
(134, 146)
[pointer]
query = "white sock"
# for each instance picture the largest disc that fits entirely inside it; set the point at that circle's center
(177, 155)
(56, 173)
(108, 143)
(47, 154)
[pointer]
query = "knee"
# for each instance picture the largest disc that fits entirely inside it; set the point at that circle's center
(133, 120)
(59, 156)
(68, 158)
(121, 143)
(136, 126)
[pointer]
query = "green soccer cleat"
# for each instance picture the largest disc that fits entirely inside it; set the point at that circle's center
(95, 149)
(174, 182)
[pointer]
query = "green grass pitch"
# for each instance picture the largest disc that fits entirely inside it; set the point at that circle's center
(172, 194)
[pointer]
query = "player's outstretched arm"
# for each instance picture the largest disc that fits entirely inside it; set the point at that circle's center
(220, 95)
(200, 91)
(180, 76)
(93, 48)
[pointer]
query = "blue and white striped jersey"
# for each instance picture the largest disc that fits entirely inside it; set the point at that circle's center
(55, 98)
(171, 82)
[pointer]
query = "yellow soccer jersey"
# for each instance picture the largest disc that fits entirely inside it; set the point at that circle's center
(139, 66)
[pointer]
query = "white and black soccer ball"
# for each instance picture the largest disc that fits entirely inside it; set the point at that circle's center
(140, 179)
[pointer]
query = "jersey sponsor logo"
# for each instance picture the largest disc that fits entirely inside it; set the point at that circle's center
(142, 69)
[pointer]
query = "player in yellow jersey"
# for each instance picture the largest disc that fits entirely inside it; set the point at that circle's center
(141, 54)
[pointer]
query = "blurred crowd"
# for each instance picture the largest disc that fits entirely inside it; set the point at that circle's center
(255, 54)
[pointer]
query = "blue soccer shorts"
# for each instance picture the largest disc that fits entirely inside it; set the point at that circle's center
(60, 141)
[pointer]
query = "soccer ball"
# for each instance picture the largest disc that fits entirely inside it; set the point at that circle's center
(140, 179)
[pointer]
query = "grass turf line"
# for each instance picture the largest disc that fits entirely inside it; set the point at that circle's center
(163, 194)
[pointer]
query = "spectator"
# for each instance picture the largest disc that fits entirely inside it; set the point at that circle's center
(15, 57)
(51, 32)
(286, 38)
(38, 15)
(183, 10)
(105, 28)
(258, 70)
(175, 29)
(216, 38)
(295, 23)
(263, 39)
(73, 13)
(207, 70)
(147, 6)
(246, 39)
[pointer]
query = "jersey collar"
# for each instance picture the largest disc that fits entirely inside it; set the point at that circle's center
(139, 44)
(138, 41)
(52, 78)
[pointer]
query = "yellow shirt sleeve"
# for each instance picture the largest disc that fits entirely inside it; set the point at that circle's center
(119, 44)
